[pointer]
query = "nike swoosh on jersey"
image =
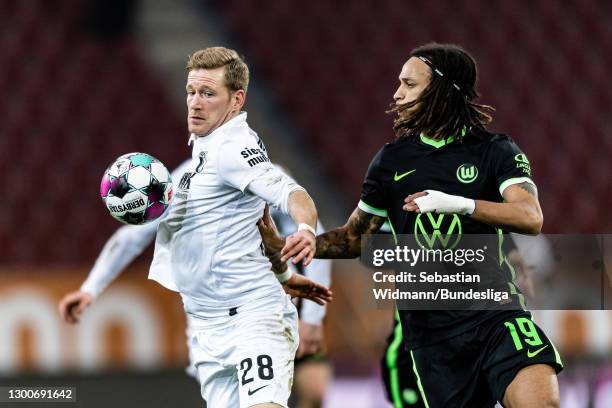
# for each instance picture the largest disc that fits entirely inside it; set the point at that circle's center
(398, 177)
(532, 354)
(251, 392)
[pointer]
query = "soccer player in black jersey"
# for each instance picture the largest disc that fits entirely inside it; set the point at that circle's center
(396, 365)
(444, 166)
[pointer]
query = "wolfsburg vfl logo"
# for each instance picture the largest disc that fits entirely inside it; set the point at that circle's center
(428, 229)
(466, 173)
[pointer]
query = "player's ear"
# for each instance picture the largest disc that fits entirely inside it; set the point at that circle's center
(238, 99)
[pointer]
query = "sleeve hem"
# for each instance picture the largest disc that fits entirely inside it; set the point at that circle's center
(91, 288)
(510, 182)
(371, 210)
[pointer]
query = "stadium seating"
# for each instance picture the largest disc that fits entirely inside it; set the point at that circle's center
(542, 66)
(71, 104)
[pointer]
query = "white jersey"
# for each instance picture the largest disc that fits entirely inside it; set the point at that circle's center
(209, 248)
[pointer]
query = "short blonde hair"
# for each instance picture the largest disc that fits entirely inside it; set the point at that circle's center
(236, 70)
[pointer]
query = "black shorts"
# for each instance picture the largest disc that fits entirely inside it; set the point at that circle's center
(398, 378)
(473, 369)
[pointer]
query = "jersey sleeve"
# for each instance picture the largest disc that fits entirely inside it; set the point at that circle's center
(372, 198)
(119, 251)
(240, 162)
(509, 164)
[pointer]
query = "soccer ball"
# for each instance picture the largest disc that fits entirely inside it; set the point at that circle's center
(136, 188)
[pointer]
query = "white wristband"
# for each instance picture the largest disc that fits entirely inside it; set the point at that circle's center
(285, 276)
(307, 227)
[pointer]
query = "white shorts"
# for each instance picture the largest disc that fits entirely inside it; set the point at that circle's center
(246, 359)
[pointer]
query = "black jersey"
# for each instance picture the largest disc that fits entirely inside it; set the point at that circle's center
(480, 166)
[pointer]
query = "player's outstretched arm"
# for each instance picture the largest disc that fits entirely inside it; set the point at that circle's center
(272, 242)
(118, 252)
(520, 212)
(301, 244)
(341, 242)
(277, 189)
(296, 285)
(72, 305)
(345, 241)
(302, 209)
(300, 286)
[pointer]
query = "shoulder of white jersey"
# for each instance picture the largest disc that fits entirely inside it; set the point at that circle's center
(238, 141)
(240, 134)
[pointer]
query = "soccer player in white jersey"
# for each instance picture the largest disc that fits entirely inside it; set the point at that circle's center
(208, 248)
(130, 240)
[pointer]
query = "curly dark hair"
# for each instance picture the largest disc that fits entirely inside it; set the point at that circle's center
(446, 106)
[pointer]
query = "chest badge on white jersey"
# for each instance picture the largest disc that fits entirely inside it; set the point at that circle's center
(202, 163)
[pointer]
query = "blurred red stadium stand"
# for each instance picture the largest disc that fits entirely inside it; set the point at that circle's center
(543, 65)
(71, 104)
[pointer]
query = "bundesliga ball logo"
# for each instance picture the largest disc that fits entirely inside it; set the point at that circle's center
(136, 188)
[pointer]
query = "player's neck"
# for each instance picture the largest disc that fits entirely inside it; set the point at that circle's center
(231, 115)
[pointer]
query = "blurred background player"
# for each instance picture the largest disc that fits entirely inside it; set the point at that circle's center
(312, 369)
(401, 388)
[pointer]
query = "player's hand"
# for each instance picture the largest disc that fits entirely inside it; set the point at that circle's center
(73, 304)
(439, 202)
(300, 286)
(301, 246)
(311, 339)
(411, 205)
(269, 233)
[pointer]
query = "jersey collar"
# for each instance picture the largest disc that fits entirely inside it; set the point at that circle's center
(440, 143)
(435, 142)
(238, 120)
